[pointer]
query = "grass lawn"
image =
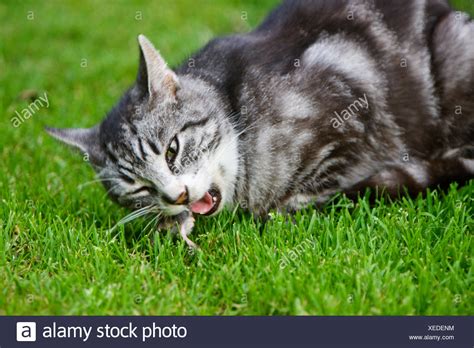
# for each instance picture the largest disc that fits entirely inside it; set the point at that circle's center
(58, 255)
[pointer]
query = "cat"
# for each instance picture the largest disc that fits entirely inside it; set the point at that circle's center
(323, 97)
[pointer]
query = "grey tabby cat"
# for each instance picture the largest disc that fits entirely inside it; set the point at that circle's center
(323, 97)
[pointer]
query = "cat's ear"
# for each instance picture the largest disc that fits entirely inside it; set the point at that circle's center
(154, 77)
(84, 139)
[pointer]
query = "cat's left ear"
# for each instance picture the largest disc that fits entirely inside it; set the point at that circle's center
(154, 77)
(84, 139)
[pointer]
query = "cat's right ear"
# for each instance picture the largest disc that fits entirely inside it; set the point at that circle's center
(84, 139)
(155, 79)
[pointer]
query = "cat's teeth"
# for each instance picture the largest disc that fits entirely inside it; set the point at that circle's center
(214, 199)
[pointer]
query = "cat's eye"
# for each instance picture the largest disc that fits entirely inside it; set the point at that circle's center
(147, 189)
(127, 179)
(172, 151)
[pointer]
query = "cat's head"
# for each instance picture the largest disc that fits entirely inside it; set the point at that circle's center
(166, 144)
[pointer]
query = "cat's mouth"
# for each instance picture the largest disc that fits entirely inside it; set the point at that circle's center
(208, 204)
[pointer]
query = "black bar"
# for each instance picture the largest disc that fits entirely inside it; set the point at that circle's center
(240, 331)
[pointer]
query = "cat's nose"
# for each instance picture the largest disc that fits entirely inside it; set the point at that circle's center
(183, 198)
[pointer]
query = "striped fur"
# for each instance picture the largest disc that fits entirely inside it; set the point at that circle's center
(324, 96)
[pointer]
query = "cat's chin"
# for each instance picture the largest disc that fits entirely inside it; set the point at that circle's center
(208, 204)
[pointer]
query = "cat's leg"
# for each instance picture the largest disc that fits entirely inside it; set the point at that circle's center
(455, 165)
(298, 202)
(467, 160)
(293, 204)
(393, 181)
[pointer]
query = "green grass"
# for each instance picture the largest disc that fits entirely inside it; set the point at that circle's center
(57, 255)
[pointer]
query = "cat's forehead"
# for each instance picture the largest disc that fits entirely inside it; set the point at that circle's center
(129, 120)
(135, 117)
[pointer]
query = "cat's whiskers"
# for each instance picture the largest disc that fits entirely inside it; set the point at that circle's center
(153, 220)
(87, 183)
(136, 214)
(110, 190)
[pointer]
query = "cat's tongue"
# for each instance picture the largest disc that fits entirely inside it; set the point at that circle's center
(204, 205)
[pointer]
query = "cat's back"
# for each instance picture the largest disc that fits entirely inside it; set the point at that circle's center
(403, 17)
(296, 24)
(375, 48)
